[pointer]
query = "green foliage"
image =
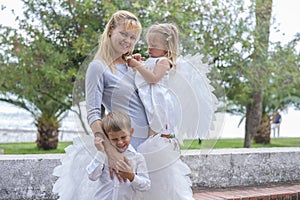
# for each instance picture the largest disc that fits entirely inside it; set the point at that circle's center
(41, 59)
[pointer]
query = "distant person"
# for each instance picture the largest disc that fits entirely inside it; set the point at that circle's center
(276, 121)
(117, 127)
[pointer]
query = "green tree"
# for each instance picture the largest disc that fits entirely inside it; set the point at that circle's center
(40, 59)
(55, 37)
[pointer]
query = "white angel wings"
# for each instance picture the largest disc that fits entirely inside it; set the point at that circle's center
(195, 99)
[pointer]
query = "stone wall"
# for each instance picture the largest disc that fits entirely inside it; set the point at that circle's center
(30, 176)
(243, 167)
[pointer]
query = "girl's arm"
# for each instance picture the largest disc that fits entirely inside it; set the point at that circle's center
(154, 76)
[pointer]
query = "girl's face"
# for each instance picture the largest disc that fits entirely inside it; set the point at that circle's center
(156, 47)
(120, 139)
(123, 40)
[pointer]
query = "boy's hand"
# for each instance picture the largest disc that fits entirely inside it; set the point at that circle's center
(98, 141)
(125, 169)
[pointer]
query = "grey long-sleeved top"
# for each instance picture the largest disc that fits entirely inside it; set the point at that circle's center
(116, 91)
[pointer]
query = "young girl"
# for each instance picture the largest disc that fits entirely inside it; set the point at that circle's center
(168, 174)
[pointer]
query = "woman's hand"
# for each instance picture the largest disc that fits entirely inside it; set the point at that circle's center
(125, 169)
(113, 155)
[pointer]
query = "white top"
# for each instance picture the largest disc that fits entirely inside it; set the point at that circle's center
(113, 189)
(158, 99)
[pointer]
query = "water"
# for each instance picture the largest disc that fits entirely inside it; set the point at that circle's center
(17, 125)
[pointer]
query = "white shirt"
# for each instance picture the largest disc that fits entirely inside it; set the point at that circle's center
(113, 189)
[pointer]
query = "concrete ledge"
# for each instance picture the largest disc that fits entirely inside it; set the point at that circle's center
(30, 176)
(243, 167)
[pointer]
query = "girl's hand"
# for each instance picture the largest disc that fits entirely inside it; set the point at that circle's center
(133, 63)
(138, 57)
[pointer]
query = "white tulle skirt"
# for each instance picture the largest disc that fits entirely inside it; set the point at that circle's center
(73, 182)
(168, 174)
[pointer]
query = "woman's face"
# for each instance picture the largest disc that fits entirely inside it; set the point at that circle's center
(123, 40)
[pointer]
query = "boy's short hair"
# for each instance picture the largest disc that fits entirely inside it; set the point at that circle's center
(116, 121)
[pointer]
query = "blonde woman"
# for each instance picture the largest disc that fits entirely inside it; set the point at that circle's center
(109, 82)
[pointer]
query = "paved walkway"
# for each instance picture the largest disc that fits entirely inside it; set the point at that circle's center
(287, 191)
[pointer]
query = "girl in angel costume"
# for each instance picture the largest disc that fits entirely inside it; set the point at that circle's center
(156, 80)
(179, 103)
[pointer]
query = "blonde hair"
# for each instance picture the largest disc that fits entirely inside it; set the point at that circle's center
(170, 35)
(105, 50)
(116, 121)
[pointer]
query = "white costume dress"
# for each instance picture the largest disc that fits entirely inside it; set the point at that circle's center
(184, 105)
(168, 174)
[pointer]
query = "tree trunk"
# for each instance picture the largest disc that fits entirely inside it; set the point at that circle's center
(253, 116)
(47, 135)
(264, 131)
(263, 12)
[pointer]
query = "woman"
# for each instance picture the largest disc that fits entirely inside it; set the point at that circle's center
(109, 81)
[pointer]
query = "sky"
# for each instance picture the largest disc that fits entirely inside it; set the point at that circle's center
(288, 19)
(286, 12)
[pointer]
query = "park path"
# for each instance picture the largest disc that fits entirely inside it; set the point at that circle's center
(283, 191)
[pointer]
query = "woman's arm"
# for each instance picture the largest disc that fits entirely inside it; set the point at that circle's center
(113, 155)
(94, 92)
(154, 76)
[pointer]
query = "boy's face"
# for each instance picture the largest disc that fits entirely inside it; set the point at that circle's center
(120, 139)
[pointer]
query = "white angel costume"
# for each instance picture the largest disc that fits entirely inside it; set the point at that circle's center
(182, 104)
(162, 101)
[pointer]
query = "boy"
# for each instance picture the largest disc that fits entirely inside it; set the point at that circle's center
(117, 127)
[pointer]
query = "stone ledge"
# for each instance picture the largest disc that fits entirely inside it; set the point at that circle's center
(222, 168)
(30, 176)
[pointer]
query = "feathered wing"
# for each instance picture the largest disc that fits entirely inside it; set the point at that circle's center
(196, 103)
(73, 182)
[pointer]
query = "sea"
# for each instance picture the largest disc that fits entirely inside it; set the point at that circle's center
(17, 125)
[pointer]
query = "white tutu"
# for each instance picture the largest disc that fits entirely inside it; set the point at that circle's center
(168, 174)
(73, 182)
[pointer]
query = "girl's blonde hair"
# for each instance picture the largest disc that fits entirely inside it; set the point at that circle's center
(105, 51)
(170, 35)
(116, 121)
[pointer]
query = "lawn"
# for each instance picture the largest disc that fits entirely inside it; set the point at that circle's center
(238, 143)
(31, 148)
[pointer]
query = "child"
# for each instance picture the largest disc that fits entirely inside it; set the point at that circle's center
(152, 80)
(168, 174)
(117, 126)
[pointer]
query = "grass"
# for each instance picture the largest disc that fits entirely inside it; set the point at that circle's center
(31, 148)
(239, 143)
